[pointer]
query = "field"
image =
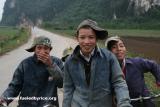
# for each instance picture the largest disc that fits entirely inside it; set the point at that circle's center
(135, 33)
(12, 37)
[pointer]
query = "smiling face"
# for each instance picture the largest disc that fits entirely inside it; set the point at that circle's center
(86, 38)
(119, 49)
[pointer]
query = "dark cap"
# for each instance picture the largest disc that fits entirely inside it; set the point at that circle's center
(100, 32)
(41, 40)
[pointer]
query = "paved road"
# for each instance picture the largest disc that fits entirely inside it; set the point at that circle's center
(9, 61)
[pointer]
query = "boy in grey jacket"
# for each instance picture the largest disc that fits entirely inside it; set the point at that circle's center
(91, 73)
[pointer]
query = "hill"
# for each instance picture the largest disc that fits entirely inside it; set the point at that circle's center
(68, 13)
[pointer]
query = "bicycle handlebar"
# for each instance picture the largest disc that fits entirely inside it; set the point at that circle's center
(145, 98)
(3, 105)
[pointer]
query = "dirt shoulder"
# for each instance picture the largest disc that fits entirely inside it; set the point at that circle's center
(147, 47)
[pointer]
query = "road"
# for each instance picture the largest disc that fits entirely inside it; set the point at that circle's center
(10, 60)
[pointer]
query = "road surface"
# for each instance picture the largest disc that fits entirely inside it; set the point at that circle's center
(10, 60)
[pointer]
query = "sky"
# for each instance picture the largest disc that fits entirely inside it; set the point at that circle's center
(1, 7)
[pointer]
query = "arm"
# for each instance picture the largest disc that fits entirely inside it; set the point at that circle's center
(68, 86)
(54, 66)
(56, 71)
(119, 84)
(153, 67)
(14, 86)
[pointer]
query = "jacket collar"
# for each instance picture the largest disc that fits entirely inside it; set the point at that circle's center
(128, 61)
(87, 58)
(76, 52)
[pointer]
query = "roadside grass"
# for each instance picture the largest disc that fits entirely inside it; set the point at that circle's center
(7, 32)
(149, 79)
(12, 37)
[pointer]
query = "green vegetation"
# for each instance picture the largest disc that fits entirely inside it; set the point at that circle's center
(67, 14)
(151, 83)
(12, 37)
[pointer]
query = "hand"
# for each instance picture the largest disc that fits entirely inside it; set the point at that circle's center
(158, 84)
(3, 102)
(45, 58)
(114, 101)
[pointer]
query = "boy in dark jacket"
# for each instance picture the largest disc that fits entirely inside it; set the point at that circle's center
(36, 78)
(133, 70)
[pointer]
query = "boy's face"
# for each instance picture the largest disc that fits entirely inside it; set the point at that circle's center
(119, 50)
(42, 51)
(87, 40)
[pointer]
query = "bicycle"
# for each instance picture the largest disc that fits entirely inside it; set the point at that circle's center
(142, 99)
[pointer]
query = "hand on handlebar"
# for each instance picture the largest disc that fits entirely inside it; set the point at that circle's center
(158, 84)
(3, 103)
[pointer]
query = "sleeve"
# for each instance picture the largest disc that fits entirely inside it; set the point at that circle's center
(56, 70)
(14, 86)
(153, 67)
(68, 87)
(119, 84)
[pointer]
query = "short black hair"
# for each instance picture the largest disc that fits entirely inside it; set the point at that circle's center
(110, 44)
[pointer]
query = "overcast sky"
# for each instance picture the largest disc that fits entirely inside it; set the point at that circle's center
(1, 7)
